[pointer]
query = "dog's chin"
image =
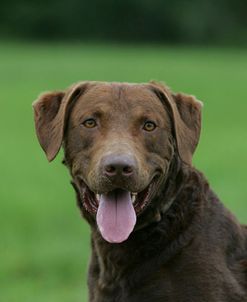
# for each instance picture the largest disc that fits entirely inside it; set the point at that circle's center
(140, 200)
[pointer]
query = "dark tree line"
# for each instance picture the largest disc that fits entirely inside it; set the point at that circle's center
(174, 21)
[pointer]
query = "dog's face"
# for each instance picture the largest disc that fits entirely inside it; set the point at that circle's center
(119, 140)
(118, 137)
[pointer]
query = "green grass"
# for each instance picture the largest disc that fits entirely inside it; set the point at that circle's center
(44, 246)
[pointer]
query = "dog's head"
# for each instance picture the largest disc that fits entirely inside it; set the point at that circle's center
(119, 140)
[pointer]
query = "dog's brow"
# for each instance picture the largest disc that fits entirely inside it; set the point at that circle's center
(92, 111)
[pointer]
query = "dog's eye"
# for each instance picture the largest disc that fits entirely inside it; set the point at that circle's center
(149, 126)
(89, 123)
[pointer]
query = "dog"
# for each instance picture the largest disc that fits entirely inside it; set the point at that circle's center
(158, 231)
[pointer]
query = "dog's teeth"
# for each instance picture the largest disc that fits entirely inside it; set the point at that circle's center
(133, 198)
(97, 196)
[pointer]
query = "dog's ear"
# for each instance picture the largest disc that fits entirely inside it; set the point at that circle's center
(185, 112)
(51, 110)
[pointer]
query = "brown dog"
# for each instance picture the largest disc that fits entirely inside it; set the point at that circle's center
(159, 233)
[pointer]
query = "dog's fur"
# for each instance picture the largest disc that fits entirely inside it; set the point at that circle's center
(186, 246)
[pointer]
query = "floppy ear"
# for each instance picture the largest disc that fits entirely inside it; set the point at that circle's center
(185, 112)
(50, 114)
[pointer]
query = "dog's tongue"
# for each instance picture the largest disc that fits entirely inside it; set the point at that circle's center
(116, 216)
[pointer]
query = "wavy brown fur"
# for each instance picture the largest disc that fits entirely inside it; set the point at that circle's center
(178, 258)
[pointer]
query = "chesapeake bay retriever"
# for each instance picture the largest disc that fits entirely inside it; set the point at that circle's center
(159, 233)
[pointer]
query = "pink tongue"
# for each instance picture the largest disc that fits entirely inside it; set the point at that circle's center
(116, 216)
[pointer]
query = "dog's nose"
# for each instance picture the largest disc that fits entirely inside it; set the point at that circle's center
(119, 166)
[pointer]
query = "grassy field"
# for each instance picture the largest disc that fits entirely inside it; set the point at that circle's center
(44, 246)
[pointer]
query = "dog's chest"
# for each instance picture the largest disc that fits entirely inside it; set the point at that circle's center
(110, 280)
(118, 279)
(117, 275)
(126, 290)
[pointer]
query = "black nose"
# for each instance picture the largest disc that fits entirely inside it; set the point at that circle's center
(119, 166)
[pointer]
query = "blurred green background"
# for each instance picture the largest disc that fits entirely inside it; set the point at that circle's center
(44, 247)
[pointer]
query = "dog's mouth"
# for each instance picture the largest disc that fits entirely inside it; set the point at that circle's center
(116, 211)
(139, 200)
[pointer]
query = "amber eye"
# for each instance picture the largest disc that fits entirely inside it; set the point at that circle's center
(149, 126)
(89, 123)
